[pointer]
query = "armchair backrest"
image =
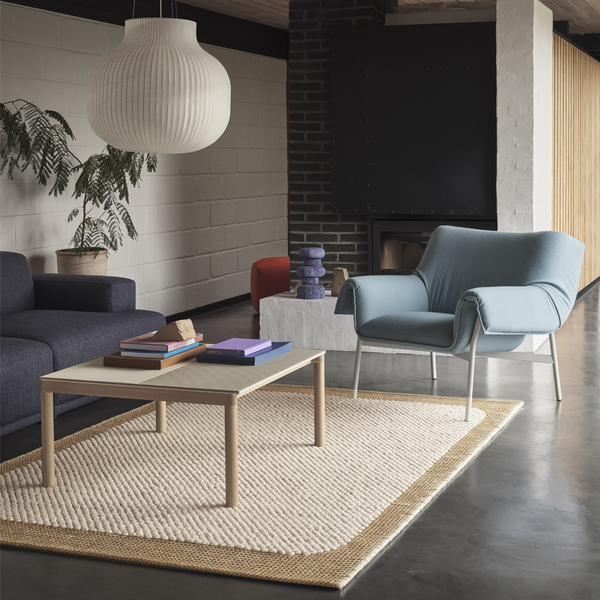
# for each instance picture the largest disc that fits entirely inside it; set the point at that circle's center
(458, 259)
(16, 285)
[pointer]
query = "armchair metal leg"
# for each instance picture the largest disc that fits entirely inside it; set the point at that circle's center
(433, 367)
(555, 367)
(472, 349)
(356, 367)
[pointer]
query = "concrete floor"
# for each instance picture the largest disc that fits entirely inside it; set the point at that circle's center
(521, 521)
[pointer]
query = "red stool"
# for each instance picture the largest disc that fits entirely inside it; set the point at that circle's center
(269, 276)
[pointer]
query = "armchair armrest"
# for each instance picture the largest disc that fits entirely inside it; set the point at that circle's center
(519, 310)
(375, 295)
(90, 293)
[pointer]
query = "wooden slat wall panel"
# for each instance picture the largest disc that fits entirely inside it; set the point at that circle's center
(576, 201)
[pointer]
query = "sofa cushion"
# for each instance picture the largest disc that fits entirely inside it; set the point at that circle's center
(77, 337)
(16, 288)
(23, 363)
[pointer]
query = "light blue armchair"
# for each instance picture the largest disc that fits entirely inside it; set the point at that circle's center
(474, 292)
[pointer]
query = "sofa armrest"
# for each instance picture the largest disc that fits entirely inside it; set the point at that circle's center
(518, 310)
(92, 293)
(376, 295)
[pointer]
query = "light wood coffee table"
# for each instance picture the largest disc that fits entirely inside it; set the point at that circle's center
(197, 383)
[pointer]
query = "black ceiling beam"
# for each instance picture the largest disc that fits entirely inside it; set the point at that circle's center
(213, 28)
(561, 27)
(591, 42)
(577, 39)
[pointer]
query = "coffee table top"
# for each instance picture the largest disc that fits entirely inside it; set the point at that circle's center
(191, 375)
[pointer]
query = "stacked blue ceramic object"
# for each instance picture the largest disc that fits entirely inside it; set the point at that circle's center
(310, 289)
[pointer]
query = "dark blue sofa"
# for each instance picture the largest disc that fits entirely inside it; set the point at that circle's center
(50, 322)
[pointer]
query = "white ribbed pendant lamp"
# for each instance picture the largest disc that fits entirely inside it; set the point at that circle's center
(159, 91)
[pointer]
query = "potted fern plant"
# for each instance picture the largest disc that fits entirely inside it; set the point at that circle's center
(38, 139)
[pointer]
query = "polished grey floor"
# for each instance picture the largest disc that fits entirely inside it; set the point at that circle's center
(522, 521)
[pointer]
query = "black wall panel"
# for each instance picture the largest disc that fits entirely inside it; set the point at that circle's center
(414, 120)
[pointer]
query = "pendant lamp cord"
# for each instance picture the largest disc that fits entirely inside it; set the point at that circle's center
(174, 12)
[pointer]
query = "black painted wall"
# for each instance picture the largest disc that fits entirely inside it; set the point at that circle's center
(414, 121)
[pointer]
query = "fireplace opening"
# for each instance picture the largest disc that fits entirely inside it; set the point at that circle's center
(397, 246)
(401, 253)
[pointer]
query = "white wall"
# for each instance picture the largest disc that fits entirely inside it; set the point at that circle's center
(203, 218)
(524, 111)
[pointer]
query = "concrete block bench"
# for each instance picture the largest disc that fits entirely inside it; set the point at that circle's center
(311, 324)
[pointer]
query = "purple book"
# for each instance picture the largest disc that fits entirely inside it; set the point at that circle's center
(238, 347)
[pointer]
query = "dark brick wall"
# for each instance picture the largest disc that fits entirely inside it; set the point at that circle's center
(312, 222)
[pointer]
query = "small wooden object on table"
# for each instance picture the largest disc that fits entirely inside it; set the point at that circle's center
(340, 274)
(175, 332)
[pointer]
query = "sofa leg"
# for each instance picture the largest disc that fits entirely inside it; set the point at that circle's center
(356, 367)
(433, 366)
(555, 368)
(472, 355)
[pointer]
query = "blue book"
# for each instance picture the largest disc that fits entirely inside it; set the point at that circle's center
(274, 350)
(149, 354)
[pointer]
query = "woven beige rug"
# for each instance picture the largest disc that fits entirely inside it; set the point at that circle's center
(307, 515)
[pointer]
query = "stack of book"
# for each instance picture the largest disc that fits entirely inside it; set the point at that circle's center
(240, 351)
(143, 352)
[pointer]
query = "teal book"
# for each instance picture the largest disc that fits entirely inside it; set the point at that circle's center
(149, 354)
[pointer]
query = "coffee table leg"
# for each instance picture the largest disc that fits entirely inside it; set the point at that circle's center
(161, 416)
(231, 456)
(48, 439)
(319, 374)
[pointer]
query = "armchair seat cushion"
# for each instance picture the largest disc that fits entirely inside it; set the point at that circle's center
(74, 341)
(421, 328)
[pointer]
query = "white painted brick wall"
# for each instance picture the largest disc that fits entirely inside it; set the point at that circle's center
(223, 160)
(194, 163)
(21, 59)
(524, 110)
(223, 263)
(194, 269)
(237, 236)
(203, 218)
